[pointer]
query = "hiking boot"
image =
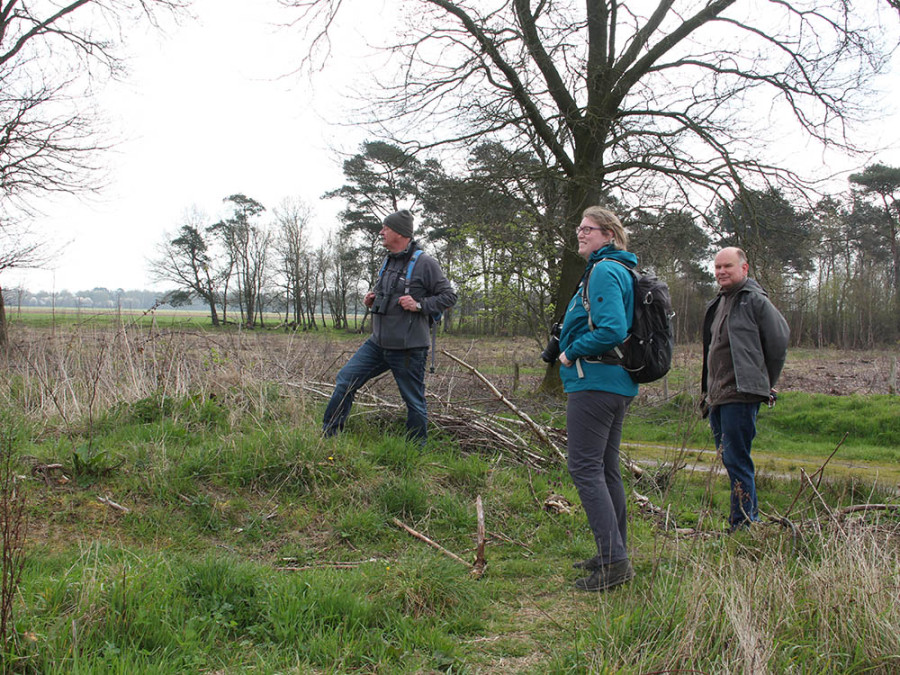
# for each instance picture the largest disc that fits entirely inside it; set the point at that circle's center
(589, 564)
(606, 576)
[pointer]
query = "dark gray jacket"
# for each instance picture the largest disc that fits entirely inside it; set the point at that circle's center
(759, 337)
(397, 328)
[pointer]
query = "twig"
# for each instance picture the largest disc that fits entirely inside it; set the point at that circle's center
(818, 472)
(822, 500)
(821, 470)
(636, 470)
(503, 537)
(44, 470)
(422, 537)
(111, 504)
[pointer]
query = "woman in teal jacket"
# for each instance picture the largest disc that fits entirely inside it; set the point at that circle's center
(598, 319)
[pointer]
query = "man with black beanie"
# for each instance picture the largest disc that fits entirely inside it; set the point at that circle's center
(411, 288)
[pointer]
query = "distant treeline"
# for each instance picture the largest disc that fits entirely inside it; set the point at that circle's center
(96, 298)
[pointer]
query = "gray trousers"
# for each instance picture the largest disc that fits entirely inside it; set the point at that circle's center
(594, 425)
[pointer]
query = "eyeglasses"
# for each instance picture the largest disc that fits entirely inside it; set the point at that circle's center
(586, 228)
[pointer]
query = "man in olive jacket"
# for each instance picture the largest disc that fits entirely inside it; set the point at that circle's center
(401, 310)
(745, 343)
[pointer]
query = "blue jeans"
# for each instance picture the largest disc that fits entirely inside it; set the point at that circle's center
(594, 422)
(734, 428)
(370, 360)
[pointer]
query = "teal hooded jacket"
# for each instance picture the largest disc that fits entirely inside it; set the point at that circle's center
(611, 289)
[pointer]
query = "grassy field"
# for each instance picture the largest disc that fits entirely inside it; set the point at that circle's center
(184, 515)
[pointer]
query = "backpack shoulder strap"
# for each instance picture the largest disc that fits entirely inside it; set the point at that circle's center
(383, 267)
(410, 267)
(585, 297)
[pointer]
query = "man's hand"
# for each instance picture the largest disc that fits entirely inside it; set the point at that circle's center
(410, 304)
(773, 396)
(369, 299)
(563, 359)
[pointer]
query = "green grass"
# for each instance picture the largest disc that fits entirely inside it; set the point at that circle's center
(69, 317)
(800, 424)
(166, 317)
(262, 547)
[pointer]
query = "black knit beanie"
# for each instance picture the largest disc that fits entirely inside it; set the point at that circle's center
(401, 222)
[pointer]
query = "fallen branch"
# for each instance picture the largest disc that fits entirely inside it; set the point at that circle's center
(867, 507)
(503, 537)
(422, 537)
(535, 428)
(475, 430)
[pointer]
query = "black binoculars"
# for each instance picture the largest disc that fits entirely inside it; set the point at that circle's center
(380, 304)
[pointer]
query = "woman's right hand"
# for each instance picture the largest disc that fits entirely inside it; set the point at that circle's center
(563, 359)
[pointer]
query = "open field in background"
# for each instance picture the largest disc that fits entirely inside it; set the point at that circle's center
(164, 317)
(186, 516)
(61, 317)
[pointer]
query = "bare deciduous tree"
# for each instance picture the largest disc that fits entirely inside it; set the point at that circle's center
(51, 58)
(292, 220)
(52, 55)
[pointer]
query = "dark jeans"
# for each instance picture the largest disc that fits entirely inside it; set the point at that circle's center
(594, 426)
(370, 360)
(734, 428)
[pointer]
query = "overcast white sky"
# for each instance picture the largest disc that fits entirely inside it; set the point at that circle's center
(203, 115)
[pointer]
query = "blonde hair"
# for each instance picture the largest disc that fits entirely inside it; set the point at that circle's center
(610, 222)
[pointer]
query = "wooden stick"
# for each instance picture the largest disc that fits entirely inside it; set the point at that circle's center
(480, 562)
(422, 537)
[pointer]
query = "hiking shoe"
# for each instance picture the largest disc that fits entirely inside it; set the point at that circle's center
(606, 576)
(589, 564)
